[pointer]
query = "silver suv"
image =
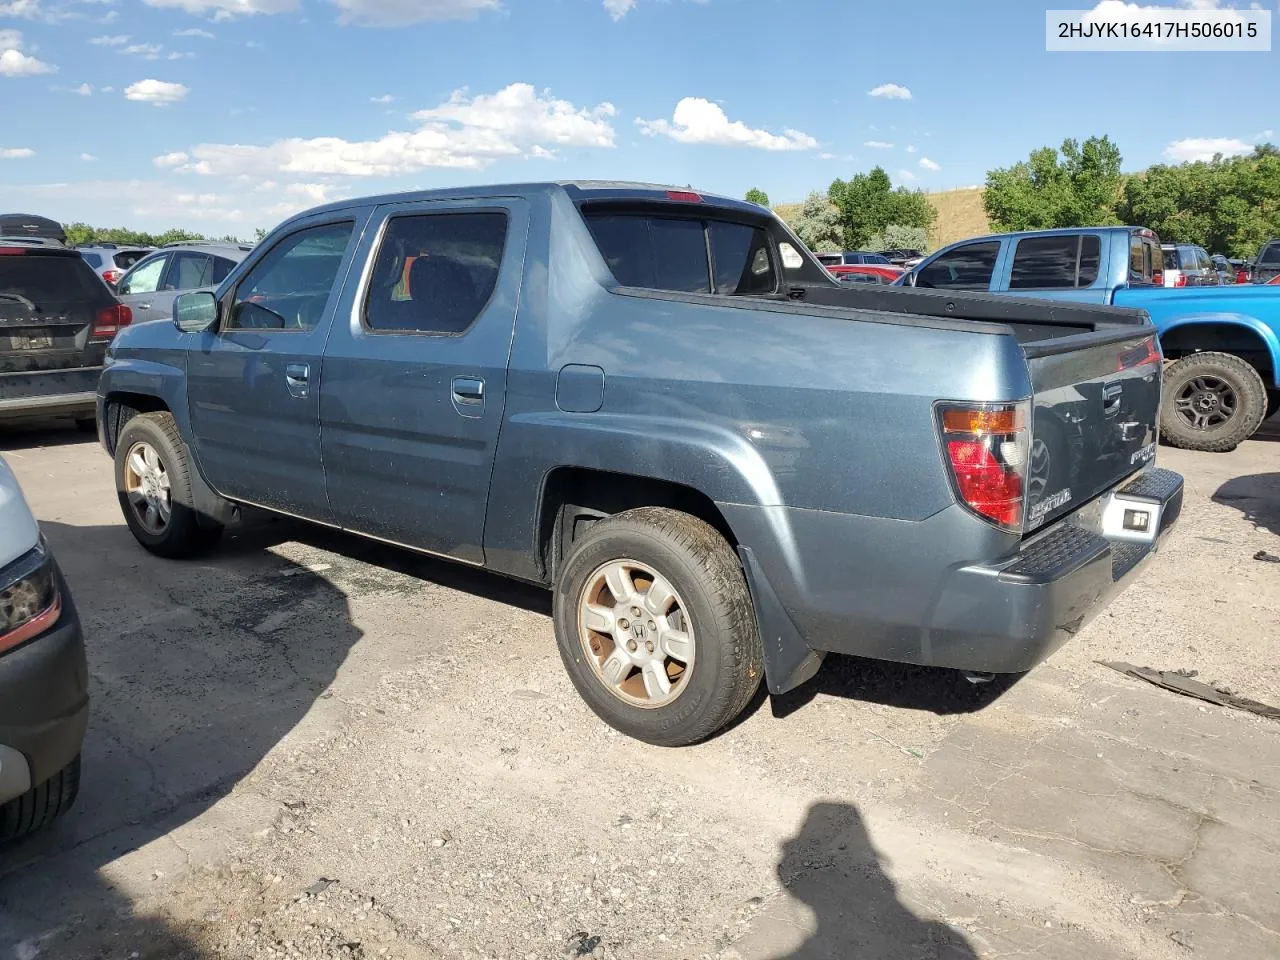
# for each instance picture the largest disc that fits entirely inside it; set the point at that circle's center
(151, 284)
(110, 260)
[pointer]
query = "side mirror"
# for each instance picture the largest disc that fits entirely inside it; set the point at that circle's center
(195, 312)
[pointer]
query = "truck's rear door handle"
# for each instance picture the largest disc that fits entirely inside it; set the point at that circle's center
(468, 390)
(297, 377)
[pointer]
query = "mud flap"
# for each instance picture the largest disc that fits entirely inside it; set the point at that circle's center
(788, 660)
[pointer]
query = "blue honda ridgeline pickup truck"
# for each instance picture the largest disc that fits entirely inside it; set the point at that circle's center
(1223, 343)
(658, 404)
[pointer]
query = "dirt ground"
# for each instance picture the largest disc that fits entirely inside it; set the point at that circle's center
(307, 746)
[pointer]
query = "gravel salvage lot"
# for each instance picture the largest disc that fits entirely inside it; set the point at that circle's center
(305, 745)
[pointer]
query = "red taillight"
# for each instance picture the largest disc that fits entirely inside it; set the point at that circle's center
(986, 446)
(12, 251)
(684, 196)
(1148, 351)
(1181, 281)
(111, 276)
(1157, 277)
(109, 321)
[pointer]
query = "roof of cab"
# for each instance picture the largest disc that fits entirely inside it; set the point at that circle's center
(577, 190)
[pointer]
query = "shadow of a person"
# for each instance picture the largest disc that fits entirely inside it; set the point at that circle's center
(831, 867)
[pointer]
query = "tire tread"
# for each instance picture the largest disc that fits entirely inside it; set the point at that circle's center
(40, 805)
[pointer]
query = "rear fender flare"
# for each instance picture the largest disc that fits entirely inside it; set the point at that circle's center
(1242, 320)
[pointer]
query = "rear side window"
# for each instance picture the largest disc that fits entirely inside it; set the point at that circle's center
(1055, 263)
(435, 272)
(1270, 255)
(127, 258)
(966, 268)
(740, 256)
(93, 259)
(1172, 261)
(44, 281)
(222, 267)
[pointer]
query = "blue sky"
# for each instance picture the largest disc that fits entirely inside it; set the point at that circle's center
(226, 115)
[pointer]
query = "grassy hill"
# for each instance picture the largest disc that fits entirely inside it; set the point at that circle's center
(960, 215)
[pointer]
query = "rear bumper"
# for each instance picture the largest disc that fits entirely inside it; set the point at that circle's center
(44, 705)
(909, 592)
(31, 394)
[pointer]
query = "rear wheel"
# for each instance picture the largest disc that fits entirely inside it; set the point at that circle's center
(40, 805)
(1212, 402)
(656, 628)
(153, 483)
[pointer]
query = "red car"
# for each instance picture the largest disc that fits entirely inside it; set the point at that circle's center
(887, 274)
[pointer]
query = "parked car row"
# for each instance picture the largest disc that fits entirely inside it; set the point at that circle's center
(1222, 344)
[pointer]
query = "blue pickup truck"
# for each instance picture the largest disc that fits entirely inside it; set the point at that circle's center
(658, 404)
(1222, 343)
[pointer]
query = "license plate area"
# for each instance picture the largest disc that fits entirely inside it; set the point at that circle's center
(1130, 519)
(18, 341)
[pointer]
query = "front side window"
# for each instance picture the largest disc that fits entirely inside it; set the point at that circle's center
(145, 279)
(289, 287)
(966, 268)
(1055, 263)
(435, 272)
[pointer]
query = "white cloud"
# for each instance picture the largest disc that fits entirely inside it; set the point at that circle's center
(385, 98)
(175, 55)
(696, 120)
(619, 8)
(88, 157)
(825, 156)
(22, 9)
(156, 92)
(395, 13)
(929, 164)
(147, 51)
(226, 9)
(194, 32)
(118, 40)
(169, 160)
(1204, 148)
(85, 90)
(906, 175)
(911, 148)
(1107, 11)
(878, 145)
(464, 132)
(890, 91)
(15, 63)
(16, 153)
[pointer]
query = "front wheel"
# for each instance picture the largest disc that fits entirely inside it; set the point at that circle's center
(656, 628)
(40, 805)
(1212, 402)
(153, 483)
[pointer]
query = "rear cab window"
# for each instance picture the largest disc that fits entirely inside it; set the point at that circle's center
(1146, 260)
(685, 253)
(1270, 255)
(1069, 261)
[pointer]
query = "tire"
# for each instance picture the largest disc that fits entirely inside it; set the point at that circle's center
(1273, 404)
(720, 661)
(183, 533)
(40, 805)
(1188, 418)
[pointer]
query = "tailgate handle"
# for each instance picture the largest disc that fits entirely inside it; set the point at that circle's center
(1111, 399)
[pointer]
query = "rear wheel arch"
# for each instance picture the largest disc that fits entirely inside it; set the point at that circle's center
(1237, 339)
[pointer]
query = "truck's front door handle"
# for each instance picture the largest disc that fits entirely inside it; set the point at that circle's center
(297, 377)
(468, 390)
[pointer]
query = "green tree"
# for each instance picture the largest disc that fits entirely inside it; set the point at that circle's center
(898, 237)
(1227, 205)
(869, 204)
(819, 224)
(1075, 187)
(757, 196)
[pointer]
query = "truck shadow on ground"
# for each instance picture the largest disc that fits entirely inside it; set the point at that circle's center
(1257, 496)
(191, 688)
(832, 869)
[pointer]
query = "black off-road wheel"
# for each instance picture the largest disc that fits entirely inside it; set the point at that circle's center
(153, 483)
(1212, 402)
(656, 628)
(40, 805)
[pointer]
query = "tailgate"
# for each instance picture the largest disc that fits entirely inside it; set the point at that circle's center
(1094, 417)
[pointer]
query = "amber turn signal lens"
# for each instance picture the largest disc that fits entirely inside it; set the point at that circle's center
(981, 421)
